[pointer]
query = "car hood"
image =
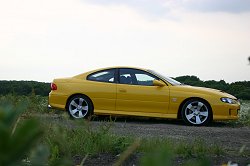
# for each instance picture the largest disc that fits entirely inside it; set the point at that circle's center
(211, 91)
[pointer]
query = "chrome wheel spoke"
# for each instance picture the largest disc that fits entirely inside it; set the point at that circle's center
(190, 106)
(85, 108)
(198, 120)
(200, 104)
(81, 101)
(80, 115)
(190, 116)
(73, 103)
(204, 114)
(74, 111)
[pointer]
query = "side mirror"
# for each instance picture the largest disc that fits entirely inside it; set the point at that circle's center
(158, 83)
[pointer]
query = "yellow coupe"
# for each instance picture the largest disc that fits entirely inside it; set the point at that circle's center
(140, 92)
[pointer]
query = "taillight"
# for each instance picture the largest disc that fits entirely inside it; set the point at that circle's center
(53, 86)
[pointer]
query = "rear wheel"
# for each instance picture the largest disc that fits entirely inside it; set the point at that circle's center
(196, 112)
(79, 106)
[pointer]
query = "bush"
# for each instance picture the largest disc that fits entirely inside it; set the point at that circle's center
(17, 139)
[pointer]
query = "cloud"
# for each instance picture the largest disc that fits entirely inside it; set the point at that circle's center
(150, 7)
(165, 8)
(228, 6)
(44, 39)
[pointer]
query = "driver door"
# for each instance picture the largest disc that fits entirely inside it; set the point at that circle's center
(136, 92)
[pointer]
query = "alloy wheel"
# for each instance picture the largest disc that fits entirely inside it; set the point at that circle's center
(78, 107)
(196, 113)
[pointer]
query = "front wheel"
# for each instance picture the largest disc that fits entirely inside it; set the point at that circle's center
(79, 106)
(196, 112)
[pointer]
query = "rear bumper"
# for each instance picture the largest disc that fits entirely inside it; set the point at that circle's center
(57, 101)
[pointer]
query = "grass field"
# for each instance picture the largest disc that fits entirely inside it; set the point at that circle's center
(60, 145)
(245, 113)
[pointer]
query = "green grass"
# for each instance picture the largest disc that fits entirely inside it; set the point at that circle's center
(245, 113)
(59, 143)
(35, 104)
(183, 148)
(29, 140)
(84, 140)
(18, 139)
(66, 142)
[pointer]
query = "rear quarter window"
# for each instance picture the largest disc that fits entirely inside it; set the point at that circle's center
(103, 76)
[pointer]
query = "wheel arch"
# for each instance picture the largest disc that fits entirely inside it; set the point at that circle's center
(76, 94)
(192, 98)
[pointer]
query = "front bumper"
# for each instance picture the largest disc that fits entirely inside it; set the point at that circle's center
(226, 112)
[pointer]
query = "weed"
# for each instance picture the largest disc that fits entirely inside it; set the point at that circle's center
(84, 140)
(18, 139)
(217, 150)
(128, 152)
(244, 115)
(244, 118)
(184, 150)
(161, 155)
(149, 144)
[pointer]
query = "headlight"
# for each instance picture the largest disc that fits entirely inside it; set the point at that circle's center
(228, 100)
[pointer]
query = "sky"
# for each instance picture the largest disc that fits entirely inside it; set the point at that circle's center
(45, 39)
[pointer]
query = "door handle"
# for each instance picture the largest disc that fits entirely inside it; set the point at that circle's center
(122, 90)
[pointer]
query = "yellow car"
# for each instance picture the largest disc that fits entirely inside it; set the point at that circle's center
(140, 92)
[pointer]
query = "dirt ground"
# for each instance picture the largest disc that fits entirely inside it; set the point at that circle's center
(229, 137)
(216, 133)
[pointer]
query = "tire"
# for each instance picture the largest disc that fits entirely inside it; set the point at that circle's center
(79, 106)
(196, 112)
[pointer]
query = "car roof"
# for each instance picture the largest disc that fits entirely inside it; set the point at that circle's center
(115, 67)
(106, 68)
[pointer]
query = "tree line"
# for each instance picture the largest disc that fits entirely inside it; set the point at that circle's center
(24, 88)
(240, 89)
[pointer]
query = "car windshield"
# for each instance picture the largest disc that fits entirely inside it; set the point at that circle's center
(168, 79)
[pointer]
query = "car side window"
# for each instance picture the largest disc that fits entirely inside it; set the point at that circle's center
(144, 79)
(103, 76)
(135, 77)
